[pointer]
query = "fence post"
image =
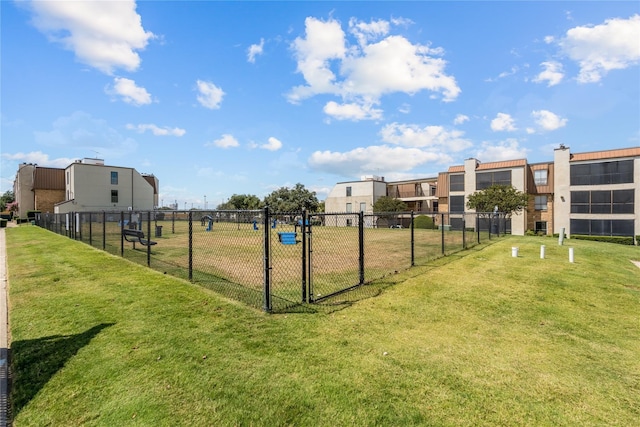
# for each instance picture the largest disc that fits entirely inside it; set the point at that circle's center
(464, 226)
(148, 237)
(304, 256)
(361, 245)
(121, 233)
(190, 216)
(413, 253)
(104, 230)
(173, 222)
(267, 262)
(90, 229)
(442, 231)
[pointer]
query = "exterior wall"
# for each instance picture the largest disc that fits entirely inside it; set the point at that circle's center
(22, 189)
(45, 200)
(534, 215)
(367, 192)
(88, 188)
(561, 190)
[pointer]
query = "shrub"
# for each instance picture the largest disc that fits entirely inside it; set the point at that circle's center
(423, 221)
(620, 240)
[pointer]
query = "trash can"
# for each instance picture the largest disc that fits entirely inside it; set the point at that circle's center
(158, 231)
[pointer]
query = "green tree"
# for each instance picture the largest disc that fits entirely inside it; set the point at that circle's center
(241, 202)
(6, 198)
(293, 199)
(389, 204)
(505, 197)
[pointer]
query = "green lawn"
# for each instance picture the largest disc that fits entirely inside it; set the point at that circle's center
(476, 338)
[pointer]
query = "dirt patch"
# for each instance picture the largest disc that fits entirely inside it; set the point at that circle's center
(637, 263)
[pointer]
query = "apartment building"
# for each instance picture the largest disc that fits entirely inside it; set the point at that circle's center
(595, 193)
(85, 185)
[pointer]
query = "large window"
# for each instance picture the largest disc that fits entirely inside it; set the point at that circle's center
(540, 177)
(540, 203)
(114, 196)
(620, 172)
(114, 178)
(602, 227)
(487, 179)
(603, 202)
(456, 182)
(456, 204)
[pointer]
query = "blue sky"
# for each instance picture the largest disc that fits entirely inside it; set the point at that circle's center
(217, 98)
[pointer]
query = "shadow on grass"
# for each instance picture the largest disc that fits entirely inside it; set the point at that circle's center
(34, 362)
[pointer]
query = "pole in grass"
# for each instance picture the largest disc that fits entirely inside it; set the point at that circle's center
(542, 248)
(571, 258)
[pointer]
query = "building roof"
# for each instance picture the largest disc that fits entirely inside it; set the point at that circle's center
(608, 154)
(503, 165)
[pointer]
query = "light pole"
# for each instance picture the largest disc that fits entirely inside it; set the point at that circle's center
(205, 202)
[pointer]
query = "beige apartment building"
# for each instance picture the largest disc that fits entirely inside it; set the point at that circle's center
(87, 185)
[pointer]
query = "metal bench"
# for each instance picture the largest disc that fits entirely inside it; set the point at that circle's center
(136, 236)
(288, 238)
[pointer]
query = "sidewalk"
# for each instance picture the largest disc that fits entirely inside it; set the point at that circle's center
(4, 336)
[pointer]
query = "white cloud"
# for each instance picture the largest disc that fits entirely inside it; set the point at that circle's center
(39, 158)
(366, 32)
(129, 91)
(460, 119)
(82, 133)
(503, 122)
(373, 159)
(552, 73)
(103, 34)
(434, 137)
(210, 96)
(547, 120)
(505, 150)
(362, 72)
(352, 111)
(156, 130)
(599, 49)
(255, 50)
(273, 144)
(226, 141)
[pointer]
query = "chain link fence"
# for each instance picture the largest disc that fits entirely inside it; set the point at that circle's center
(278, 260)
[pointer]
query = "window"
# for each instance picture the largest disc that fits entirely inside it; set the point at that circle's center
(603, 202)
(114, 178)
(68, 174)
(363, 207)
(620, 172)
(435, 206)
(540, 203)
(456, 204)
(602, 227)
(540, 177)
(487, 179)
(349, 208)
(541, 227)
(456, 182)
(114, 196)
(348, 191)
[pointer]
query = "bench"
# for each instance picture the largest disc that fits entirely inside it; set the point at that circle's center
(288, 238)
(136, 236)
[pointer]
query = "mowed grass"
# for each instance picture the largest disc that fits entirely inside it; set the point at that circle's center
(477, 338)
